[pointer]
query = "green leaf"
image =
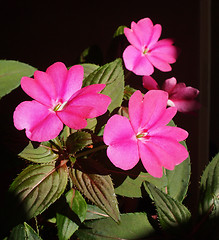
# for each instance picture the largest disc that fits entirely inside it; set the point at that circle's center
(69, 220)
(23, 231)
(42, 154)
(36, 188)
(131, 187)
(89, 68)
(132, 226)
(209, 189)
(172, 213)
(94, 212)
(11, 73)
(77, 141)
(178, 179)
(98, 189)
(112, 75)
(119, 31)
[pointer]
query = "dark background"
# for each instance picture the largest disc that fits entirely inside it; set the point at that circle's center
(41, 33)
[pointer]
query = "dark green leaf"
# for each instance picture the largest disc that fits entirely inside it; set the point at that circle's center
(72, 216)
(112, 75)
(132, 226)
(42, 154)
(172, 213)
(77, 141)
(23, 231)
(11, 73)
(98, 189)
(209, 189)
(36, 188)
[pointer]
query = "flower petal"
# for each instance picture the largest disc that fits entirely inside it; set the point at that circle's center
(154, 106)
(150, 160)
(158, 62)
(119, 135)
(135, 110)
(156, 32)
(88, 97)
(85, 103)
(186, 106)
(175, 133)
(136, 62)
(163, 50)
(40, 123)
(144, 31)
(74, 117)
(182, 92)
(176, 151)
(132, 38)
(73, 82)
(169, 85)
(164, 119)
(149, 83)
(41, 88)
(58, 72)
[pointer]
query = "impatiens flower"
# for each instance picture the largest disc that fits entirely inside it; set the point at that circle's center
(58, 99)
(145, 51)
(180, 96)
(145, 136)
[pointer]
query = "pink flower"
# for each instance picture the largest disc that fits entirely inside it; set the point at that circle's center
(180, 96)
(145, 50)
(145, 136)
(58, 99)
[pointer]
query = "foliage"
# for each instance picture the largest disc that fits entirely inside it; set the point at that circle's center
(69, 186)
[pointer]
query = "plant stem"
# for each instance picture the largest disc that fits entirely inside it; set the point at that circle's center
(85, 153)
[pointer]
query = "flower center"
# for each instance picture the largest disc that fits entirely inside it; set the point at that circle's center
(59, 106)
(143, 135)
(145, 50)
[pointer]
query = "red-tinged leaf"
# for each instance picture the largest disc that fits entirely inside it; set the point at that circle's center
(98, 189)
(36, 188)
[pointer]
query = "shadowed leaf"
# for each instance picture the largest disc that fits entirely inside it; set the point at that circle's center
(23, 231)
(209, 189)
(36, 188)
(132, 226)
(173, 215)
(69, 220)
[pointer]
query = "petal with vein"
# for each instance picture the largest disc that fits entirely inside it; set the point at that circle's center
(40, 123)
(150, 160)
(41, 88)
(119, 135)
(58, 72)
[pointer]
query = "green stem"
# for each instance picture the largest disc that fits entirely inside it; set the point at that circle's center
(85, 153)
